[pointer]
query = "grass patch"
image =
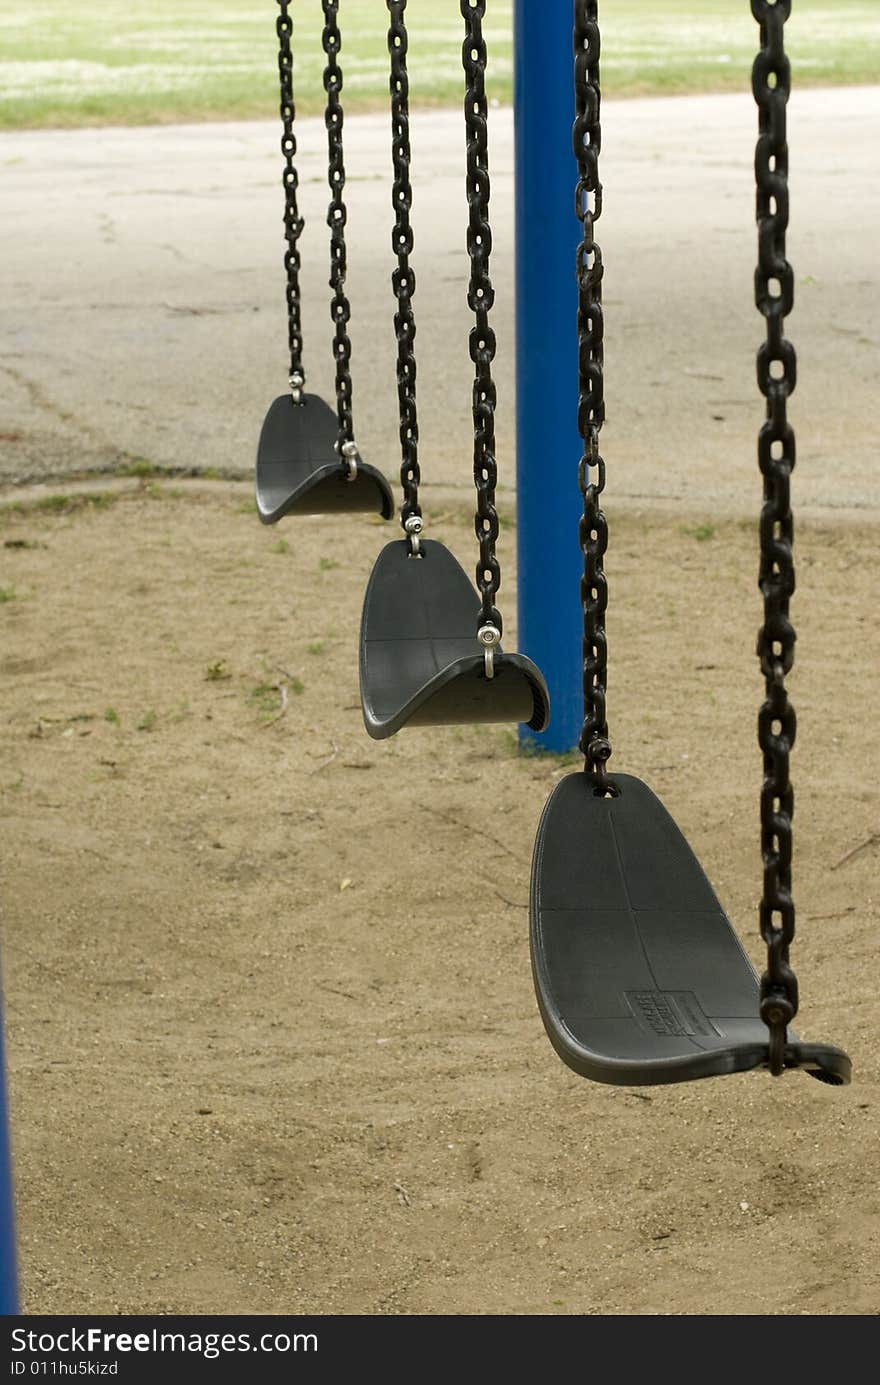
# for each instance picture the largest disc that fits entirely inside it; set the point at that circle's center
(53, 504)
(148, 721)
(269, 700)
(184, 710)
(154, 491)
(7, 594)
(98, 62)
(61, 504)
(139, 466)
(112, 716)
(217, 672)
(266, 698)
(700, 532)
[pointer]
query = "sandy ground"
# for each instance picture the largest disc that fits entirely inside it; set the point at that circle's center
(273, 1040)
(271, 1030)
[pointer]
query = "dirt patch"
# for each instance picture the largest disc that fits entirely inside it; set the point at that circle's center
(272, 1035)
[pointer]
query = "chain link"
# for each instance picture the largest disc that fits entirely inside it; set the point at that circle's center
(293, 223)
(340, 309)
(593, 529)
(481, 296)
(403, 279)
(777, 376)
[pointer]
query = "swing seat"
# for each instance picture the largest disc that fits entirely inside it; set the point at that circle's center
(420, 663)
(639, 975)
(299, 470)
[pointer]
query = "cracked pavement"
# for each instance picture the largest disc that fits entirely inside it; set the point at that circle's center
(143, 297)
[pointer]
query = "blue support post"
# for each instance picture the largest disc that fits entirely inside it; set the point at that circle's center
(548, 446)
(8, 1275)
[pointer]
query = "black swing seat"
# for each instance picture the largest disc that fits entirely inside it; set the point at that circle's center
(299, 470)
(420, 662)
(639, 975)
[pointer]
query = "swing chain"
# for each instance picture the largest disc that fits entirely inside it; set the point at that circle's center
(777, 377)
(403, 279)
(293, 222)
(340, 309)
(593, 528)
(481, 296)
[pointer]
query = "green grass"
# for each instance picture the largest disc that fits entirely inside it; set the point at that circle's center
(95, 62)
(267, 699)
(140, 467)
(61, 504)
(217, 672)
(53, 504)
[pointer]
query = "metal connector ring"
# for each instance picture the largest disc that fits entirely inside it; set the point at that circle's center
(489, 636)
(414, 527)
(350, 455)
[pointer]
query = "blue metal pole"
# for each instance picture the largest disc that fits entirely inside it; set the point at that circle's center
(8, 1275)
(548, 446)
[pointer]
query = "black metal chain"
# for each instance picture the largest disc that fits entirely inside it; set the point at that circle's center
(777, 376)
(340, 309)
(293, 222)
(403, 279)
(593, 530)
(480, 299)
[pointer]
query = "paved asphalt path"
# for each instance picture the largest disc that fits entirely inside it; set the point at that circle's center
(143, 307)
